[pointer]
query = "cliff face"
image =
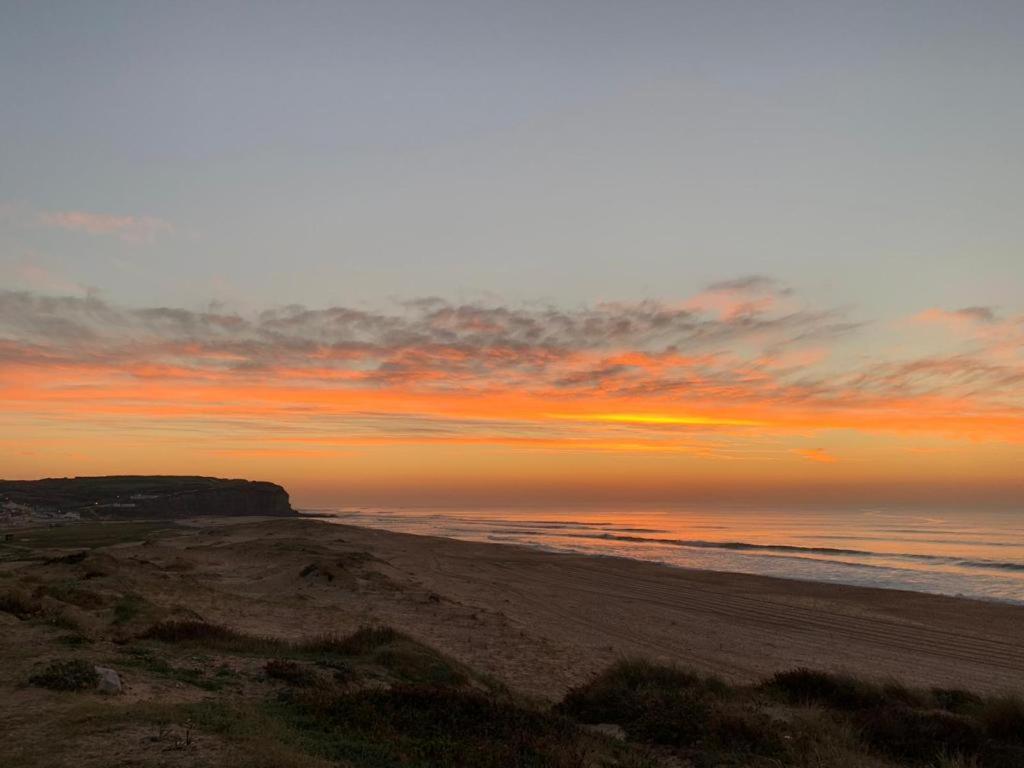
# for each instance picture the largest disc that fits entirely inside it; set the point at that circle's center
(157, 497)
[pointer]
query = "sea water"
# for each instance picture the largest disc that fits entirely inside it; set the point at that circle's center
(978, 554)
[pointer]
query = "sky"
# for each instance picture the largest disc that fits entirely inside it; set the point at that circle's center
(518, 253)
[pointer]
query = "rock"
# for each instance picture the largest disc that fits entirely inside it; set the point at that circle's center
(109, 680)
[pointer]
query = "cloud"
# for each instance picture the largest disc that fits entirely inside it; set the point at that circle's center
(749, 284)
(978, 314)
(135, 229)
(742, 297)
(819, 455)
(455, 337)
(653, 375)
(126, 227)
(959, 317)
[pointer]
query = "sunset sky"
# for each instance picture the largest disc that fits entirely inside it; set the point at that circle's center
(502, 253)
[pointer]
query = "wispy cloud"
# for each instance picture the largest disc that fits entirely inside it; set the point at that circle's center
(680, 376)
(819, 455)
(959, 317)
(130, 228)
(133, 229)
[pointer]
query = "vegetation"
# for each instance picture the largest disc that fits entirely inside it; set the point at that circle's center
(418, 725)
(19, 604)
(669, 707)
(73, 675)
(711, 723)
(191, 631)
(90, 535)
(379, 651)
(73, 594)
(293, 673)
(378, 698)
(197, 675)
(128, 607)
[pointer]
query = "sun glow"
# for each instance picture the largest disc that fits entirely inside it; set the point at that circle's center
(656, 419)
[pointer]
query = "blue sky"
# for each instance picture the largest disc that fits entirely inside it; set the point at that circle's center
(319, 153)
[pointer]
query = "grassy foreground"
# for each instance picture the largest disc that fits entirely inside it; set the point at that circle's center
(379, 698)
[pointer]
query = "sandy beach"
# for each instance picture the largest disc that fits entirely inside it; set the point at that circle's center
(526, 622)
(543, 622)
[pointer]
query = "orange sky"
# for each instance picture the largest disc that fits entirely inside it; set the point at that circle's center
(739, 392)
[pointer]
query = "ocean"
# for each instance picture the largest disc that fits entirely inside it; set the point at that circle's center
(977, 554)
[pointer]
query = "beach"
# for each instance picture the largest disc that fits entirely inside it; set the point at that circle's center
(547, 621)
(531, 623)
(543, 622)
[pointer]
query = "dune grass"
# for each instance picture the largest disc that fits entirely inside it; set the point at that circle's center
(712, 723)
(377, 698)
(399, 657)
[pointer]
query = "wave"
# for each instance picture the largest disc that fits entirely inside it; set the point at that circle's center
(610, 531)
(745, 546)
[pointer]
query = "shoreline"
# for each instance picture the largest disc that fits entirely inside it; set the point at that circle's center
(667, 562)
(544, 622)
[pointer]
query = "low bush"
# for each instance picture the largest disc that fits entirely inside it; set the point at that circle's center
(807, 686)
(1003, 718)
(73, 675)
(292, 672)
(19, 604)
(129, 607)
(954, 699)
(188, 631)
(363, 641)
(672, 707)
(71, 593)
(919, 735)
(413, 725)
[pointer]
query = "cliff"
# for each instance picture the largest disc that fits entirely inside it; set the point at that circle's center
(141, 497)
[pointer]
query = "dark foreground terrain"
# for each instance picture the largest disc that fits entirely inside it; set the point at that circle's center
(156, 644)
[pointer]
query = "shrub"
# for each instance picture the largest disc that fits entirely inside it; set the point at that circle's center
(73, 559)
(128, 607)
(188, 631)
(74, 675)
(68, 592)
(624, 690)
(806, 686)
(919, 735)
(292, 673)
(363, 641)
(413, 725)
(74, 640)
(673, 707)
(954, 699)
(19, 604)
(414, 663)
(1003, 718)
